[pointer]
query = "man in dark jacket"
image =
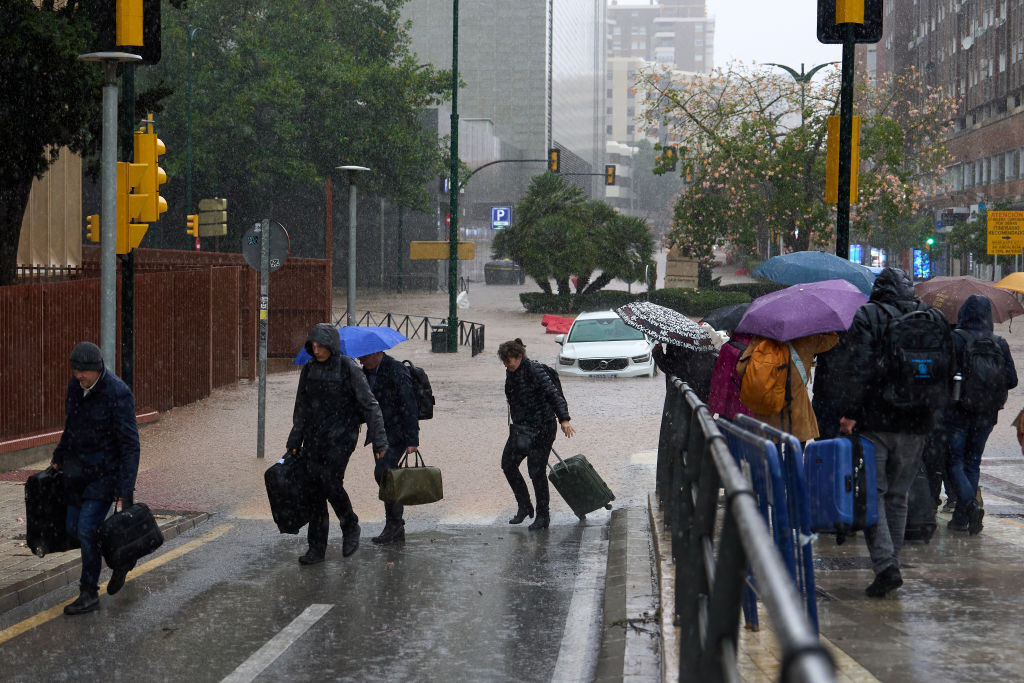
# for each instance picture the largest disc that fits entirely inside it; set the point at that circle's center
(392, 387)
(898, 434)
(332, 400)
(99, 455)
(969, 429)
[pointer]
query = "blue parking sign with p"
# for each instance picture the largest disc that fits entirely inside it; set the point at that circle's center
(501, 217)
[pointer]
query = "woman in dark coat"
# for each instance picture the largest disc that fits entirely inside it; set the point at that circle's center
(534, 404)
(332, 400)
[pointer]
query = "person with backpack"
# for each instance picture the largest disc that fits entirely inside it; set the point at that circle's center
(988, 373)
(535, 405)
(391, 384)
(896, 365)
(773, 381)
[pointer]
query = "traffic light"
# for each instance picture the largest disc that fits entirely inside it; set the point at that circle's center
(553, 160)
(132, 24)
(130, 206)
(92, 227)
(192, 223)
(128, 24)
(148, 149)
(670, 157)
(928, 243)
(609, 174)
(835, 15)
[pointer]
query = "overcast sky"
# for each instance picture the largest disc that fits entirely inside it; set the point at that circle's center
(781, 31)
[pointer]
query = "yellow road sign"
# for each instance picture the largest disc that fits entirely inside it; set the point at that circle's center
(440, 251)
(1005, 232)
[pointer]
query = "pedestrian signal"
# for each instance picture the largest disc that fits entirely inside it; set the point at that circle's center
(553, 160)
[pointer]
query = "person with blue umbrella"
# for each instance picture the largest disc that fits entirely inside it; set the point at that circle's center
(391, 384)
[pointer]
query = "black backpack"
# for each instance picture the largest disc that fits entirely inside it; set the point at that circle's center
(917, 356)
(984, 380)
(421, 387)
(553, 374)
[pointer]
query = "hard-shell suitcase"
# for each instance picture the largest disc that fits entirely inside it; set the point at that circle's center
(128, 535)
(921, 507)
(580, 485)
(287, 483)
(46, 513)
(842, 491)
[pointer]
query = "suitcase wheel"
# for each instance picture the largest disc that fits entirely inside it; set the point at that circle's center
(608, 506)
(40, 551)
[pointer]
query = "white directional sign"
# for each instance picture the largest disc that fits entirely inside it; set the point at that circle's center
(501, 217)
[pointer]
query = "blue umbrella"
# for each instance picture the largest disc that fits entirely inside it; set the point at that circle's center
(360, 341)
(815, 266)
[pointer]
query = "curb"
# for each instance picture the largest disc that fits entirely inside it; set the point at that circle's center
(68, 572)
(666, 578)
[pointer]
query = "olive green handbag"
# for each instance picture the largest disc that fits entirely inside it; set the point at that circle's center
(415, 484)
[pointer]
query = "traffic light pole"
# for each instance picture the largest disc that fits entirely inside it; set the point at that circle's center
(453, 196)
(845, 145)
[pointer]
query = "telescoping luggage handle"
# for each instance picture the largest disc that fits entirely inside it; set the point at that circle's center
(559, 459)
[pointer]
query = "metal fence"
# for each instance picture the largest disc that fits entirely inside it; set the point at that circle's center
(419, 327)
(713, 556)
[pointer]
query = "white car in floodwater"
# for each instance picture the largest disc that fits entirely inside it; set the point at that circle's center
(599, 344)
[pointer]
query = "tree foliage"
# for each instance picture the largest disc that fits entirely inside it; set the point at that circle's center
(558, 234)
(752, 150)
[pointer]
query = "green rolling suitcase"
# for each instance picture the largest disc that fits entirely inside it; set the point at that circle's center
(580, 485)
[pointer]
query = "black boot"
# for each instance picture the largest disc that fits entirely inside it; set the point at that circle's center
(88, 601)
(350, 539)
(524, 512)
(394, 527)
(541, 522)
(889, 579)
(312, 557)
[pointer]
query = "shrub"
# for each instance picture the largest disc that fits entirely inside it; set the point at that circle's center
(695, 303)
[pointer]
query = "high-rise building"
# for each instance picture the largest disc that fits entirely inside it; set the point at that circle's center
(975, 50)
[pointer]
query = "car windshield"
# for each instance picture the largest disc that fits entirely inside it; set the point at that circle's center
(600, 330)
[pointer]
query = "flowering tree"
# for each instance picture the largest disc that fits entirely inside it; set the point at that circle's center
(752, 149)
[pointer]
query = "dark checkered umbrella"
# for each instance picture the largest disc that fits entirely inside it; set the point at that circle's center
(666, 325)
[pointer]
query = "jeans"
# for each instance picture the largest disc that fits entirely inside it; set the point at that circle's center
(84, 523)
(897, 459)
(966, 445)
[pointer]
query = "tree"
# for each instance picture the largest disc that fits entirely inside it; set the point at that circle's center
(287, 90)
(558, 234)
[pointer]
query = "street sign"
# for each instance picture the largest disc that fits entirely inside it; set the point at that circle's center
(440, 251)
(1005, 232)
(501, 217)
(280, 245)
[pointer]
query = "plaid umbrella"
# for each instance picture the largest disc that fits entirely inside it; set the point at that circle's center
(666, 325)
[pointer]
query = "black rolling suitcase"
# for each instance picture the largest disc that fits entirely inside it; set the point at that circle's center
(287, 483)
(128, 535)
(46, 514)
(921, 507)
(580, 485)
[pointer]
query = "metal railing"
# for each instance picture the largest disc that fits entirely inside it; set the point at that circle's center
(419, 327)
(712, 559)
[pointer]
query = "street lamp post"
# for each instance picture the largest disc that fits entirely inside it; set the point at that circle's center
(188, 135)
(350, 313)
(453, 196)
(108, 205)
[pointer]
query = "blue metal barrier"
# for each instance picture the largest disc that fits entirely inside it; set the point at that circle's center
(772, 462)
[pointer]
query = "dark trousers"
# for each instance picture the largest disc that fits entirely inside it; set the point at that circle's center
(392, 511)
(536, 466)
(84, 523)
(329, 484)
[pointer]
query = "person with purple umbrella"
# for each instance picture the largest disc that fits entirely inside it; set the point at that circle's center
(869, 407)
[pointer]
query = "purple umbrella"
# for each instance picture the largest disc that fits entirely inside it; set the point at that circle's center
(803, 309)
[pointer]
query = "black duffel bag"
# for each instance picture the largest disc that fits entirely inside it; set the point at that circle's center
(128, 535)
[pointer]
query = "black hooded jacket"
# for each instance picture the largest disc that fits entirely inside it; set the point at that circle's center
(975, 319)
(332, 400)
(393, 390)
(533, 397)
(858, 365)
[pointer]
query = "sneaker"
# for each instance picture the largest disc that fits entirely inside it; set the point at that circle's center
(350, 541)
(87, 602)
(956, 526)
(974, 517)
(116, 581)
(311, 557)
(888, 579)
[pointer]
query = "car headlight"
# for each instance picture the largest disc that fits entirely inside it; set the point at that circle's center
(642, 359)
(562, 360)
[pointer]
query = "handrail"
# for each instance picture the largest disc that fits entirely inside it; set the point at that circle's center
(419, 327)
(694, 462)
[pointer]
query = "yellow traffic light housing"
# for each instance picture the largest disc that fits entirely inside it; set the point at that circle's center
(130, 207)
(553, 160)
(609, 174)
(128, 22)
(92, 227)
(192, 223)
(148, 150)
(671, 157)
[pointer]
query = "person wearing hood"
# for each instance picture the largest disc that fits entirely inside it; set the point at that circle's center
(898, 434)
(99, 455)
(535, 406)
(332, 400)
(969, 421)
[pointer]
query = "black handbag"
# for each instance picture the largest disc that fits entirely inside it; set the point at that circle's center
(415, 484)
(523, 437)
(128, 535)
